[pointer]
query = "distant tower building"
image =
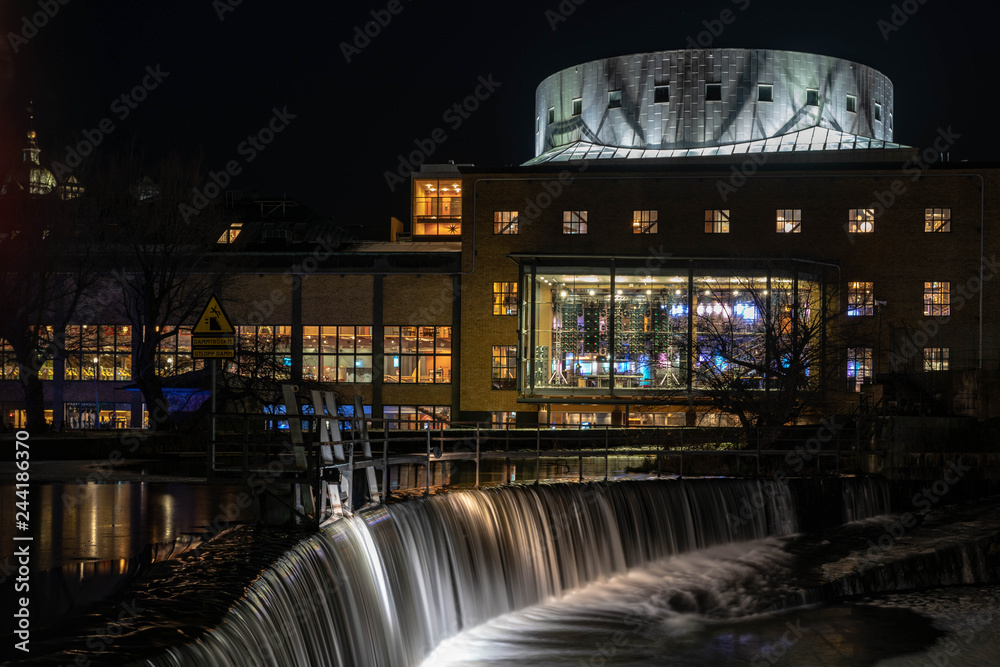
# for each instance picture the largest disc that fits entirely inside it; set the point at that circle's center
(31, 177)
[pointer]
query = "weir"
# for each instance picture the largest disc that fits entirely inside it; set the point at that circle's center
(388, 585)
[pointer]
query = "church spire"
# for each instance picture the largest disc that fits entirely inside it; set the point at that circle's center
(32, 151)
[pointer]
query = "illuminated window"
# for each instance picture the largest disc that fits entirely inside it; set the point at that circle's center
(8, 362)
(878, 112)
(231, 233)
(337, 354)
(661, 94)
(644, 222)
(98, 352)
(552, 115)
(765, 92)
(505, 298)
(577, 106)
(936, 358)
(574, 222)
(504, 367)
(505, 222)
(812, 97)
(789, 221)
(937, 219)
(937, 299)
(852, 104)
(717, 221)
(861, 220)
(9, 368)
(713, 92)
(614, 99)
(263, 352)
(416, 417)
(437, 207)
(173, 354)
(503, 419)
(859, 365)
(417, 355)
(860, 298)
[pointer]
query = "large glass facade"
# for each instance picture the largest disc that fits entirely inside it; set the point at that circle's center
(634, 331)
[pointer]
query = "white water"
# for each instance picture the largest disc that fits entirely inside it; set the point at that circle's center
(388, 588)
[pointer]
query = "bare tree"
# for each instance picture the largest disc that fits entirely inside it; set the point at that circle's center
(766, 347)
(46, 266)
(162, 258)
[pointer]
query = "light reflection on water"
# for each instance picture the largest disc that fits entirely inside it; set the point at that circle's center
(91, 539)
(100, 522)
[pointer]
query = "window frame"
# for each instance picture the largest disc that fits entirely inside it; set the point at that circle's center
(508, 226)
(645, 221)
(860, 298)
(786, 216)
(859, 359)
(857, 218)
(937, 298)
(770, 92)
(503, 367)
(944, 223)
(937, 359)
(717, 220)
(574, 222)
(322, 353)
(418, 355)
(504, 298)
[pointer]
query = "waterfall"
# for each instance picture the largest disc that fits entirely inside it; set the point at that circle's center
(387, 586)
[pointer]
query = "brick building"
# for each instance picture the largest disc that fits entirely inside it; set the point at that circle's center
(673, 196)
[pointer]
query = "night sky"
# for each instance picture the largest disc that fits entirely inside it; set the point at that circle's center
(228, 67)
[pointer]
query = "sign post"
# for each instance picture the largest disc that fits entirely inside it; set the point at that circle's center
(213, 338)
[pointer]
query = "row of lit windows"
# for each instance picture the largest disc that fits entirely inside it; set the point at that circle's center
(713, 93)
(787, 221)
(937, 298)
(859, 362)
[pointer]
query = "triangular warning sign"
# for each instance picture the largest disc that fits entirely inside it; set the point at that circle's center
(213, 320)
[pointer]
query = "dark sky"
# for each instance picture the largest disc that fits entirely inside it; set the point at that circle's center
(353, 119)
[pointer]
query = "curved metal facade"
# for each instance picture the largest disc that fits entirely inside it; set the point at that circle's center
(664, 100)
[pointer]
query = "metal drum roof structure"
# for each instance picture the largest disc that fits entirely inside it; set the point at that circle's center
(696, 102)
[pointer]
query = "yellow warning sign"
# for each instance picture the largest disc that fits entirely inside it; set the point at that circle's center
(213, 353)
(213, 320)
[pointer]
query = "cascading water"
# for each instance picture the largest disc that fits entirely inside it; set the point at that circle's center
(389, 586)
